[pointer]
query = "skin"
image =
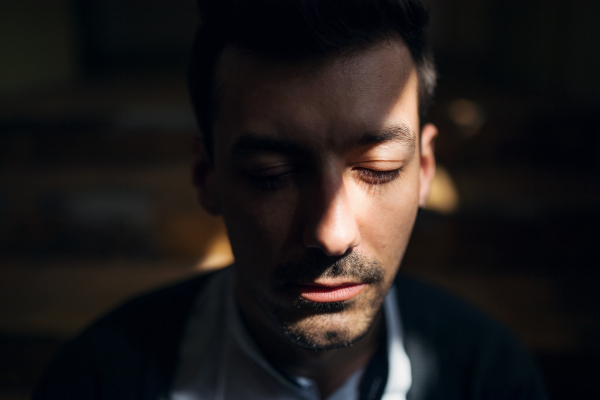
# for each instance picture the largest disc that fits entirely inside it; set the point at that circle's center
(318, 172)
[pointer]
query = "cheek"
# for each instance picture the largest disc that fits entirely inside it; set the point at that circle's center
(387, 224)
(258, 224)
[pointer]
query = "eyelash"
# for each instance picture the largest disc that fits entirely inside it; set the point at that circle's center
(368, 176)
(373, 177)
(271, 183)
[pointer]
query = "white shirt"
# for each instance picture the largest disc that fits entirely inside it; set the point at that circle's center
(219, 360)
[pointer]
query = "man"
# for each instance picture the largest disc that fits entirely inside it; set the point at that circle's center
(315, 152)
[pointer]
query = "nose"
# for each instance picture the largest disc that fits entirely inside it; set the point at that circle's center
(330, 222)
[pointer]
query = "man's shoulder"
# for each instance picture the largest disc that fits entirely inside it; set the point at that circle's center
(132, 349)
(429, 308)
(456, 348)
(150, 318)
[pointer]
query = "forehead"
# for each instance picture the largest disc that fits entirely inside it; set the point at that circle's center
(327, 101)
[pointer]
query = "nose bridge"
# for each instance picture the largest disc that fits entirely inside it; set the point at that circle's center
(331, 222)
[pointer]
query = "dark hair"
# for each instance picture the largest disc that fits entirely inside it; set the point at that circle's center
(299, 29)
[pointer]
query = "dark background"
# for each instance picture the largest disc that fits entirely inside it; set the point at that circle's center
(96, 202)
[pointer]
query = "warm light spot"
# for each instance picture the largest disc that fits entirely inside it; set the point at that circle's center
(467, 115)
(443, 197)
(218, 254)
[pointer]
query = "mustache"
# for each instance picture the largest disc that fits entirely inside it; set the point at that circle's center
(314, 264)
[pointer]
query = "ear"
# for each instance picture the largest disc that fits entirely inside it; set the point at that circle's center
(428, 135)
(203, 178)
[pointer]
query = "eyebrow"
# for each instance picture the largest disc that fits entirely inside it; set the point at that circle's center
(252, 143)
(400, 133)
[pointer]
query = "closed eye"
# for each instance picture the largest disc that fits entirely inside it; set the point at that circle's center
(269, 179)
(272, 179)
(374, 177)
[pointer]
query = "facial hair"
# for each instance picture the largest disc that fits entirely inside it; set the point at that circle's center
(316, 325)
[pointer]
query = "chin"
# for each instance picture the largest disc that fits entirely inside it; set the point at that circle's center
(326, 331)
(327, 326)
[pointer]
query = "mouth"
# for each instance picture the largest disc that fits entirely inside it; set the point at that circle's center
(329, 292)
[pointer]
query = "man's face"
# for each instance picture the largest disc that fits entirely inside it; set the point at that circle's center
(318, 173)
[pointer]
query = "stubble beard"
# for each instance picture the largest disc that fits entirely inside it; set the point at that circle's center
(324, 326)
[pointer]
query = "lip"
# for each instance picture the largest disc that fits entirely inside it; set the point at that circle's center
(326, 293)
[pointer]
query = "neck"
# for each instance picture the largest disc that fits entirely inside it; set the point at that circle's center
(328, 368)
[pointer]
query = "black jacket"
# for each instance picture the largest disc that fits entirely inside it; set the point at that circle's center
(455, 351)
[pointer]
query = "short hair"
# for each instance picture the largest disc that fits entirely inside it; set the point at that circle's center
(302, 29)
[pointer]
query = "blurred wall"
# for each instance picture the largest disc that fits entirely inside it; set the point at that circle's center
(545, 47)
(37, 43)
